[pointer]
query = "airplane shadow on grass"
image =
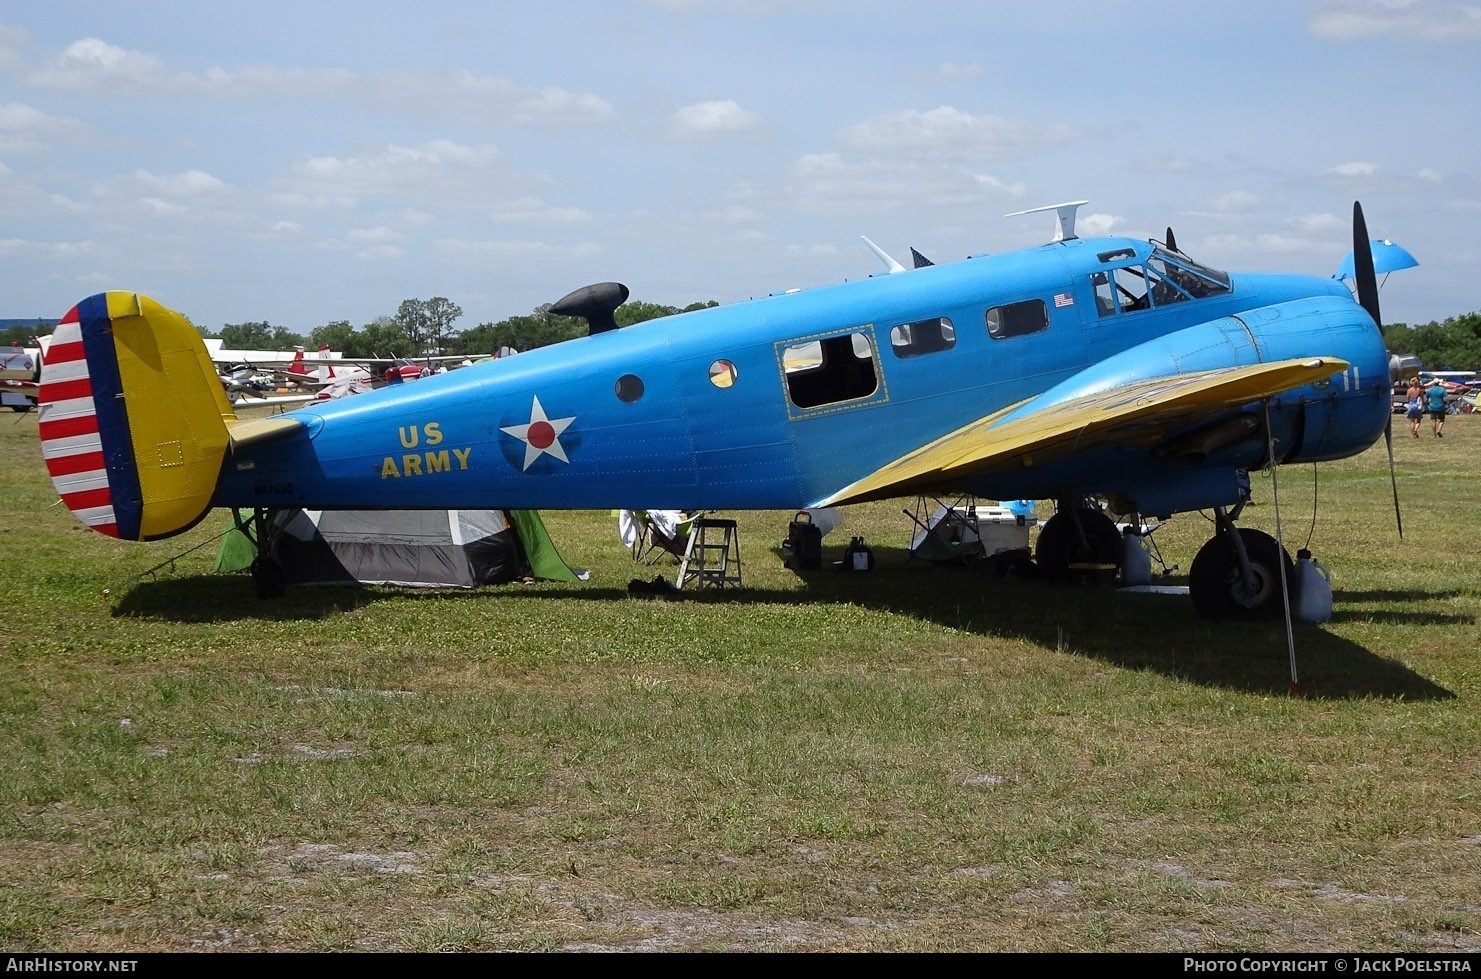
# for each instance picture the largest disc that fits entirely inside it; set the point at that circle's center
(1135, 631)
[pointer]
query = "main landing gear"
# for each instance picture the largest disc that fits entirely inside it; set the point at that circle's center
(1078, 540)
(1239, 573)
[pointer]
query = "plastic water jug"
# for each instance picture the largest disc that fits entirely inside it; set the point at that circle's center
(1023, 509)
(1136, 560)
(1313, 589)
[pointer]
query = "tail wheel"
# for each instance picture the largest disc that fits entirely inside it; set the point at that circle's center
(1218, 588)
(269, 577)
(1059, 545)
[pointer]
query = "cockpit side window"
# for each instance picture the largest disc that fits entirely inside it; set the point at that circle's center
(1131, 288)
(1170, 284)
(1105, 295)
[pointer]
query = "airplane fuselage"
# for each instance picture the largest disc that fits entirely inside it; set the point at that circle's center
(777, 402)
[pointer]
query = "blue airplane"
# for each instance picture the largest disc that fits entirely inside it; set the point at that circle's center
(1110, 375)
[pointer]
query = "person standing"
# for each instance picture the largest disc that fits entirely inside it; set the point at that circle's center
(1435, 395)
(1414, 405)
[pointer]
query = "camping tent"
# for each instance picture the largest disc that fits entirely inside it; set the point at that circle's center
(414, 548)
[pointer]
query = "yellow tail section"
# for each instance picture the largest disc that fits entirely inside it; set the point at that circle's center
(133, 417)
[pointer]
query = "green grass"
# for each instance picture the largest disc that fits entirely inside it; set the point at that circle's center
(922, 758)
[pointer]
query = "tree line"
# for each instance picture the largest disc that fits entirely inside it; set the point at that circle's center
(421, 327)
(1451, 345)
(426, 327)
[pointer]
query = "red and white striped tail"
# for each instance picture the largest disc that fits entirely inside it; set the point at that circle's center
(71, 442)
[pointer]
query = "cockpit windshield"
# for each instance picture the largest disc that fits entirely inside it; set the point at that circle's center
(1166, 277)
(1193, 279)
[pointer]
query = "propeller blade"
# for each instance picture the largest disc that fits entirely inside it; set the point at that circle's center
(1362, 264)
(1172, 243)
(1388, 440)
(1367, 285)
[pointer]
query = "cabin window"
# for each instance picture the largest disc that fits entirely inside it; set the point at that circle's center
(1016, 319)
(629, 388)
(830, 371)
(722, 373)
(922, 337)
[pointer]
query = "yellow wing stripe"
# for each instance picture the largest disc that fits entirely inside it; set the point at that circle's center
(991, 443)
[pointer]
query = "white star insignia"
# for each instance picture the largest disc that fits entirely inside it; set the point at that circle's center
(542, 436)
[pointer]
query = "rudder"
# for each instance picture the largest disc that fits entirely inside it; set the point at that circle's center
(132, 417)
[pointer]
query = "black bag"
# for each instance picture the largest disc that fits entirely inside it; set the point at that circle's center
(857, 557)
(805, 541)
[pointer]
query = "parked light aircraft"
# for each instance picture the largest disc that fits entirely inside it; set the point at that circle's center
(1111, 375)
(20, 371)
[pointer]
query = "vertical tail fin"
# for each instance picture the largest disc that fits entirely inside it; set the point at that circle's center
(132, 417)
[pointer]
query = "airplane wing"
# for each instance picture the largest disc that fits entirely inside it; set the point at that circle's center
(1024, 435)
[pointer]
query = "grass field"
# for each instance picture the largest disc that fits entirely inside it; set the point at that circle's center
(921, 758)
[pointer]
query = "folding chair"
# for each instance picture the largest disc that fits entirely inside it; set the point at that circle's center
(946, 530)
(653, 533)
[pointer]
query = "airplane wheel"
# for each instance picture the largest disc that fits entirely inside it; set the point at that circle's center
(269, 577)
(1058, 545)
(1218, 589)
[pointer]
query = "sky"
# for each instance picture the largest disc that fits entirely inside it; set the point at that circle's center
(305, 162)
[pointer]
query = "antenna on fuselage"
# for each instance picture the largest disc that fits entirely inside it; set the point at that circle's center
(1066, 213)
(884, 256)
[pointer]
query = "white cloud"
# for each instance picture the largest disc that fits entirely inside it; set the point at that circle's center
(24, 129)
(949, 132)
(162, 208)
(189, 183)
(12, 40)
(439, 171)
(718, 116)
(1404, 20)
(1357, 168)
(533, 212)
(1096, 224)
(92, 65)
(1321, 224)
(165, 195)
(374, 236)
(1234, 201)
(1012, 190)
(955, 72)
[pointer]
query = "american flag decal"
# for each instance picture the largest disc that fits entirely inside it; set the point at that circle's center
(1063, 299)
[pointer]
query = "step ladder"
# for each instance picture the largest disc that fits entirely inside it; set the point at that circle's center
(712, 556)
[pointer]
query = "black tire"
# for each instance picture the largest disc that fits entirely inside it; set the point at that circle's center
(1218, 590)
(269, 577)
(1058, 545)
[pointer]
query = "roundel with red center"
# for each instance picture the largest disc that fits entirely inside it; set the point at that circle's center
(541, 435)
